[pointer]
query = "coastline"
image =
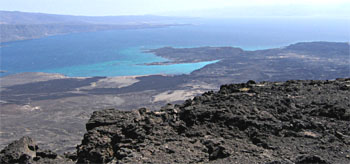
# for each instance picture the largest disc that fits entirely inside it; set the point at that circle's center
(197, 55)
(59, 105)
(110, 27)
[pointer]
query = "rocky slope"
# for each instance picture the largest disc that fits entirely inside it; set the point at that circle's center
(268, 122)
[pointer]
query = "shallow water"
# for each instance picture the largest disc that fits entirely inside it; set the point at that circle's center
(120, 52)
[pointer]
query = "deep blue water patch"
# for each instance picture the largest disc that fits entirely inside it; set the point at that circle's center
(119, 52)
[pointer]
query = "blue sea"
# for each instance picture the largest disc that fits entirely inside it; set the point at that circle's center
(122, 52)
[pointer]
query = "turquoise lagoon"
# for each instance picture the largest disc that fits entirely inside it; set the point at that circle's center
(129, 67)
(121, 52)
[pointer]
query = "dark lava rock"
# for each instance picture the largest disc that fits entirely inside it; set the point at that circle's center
(25, 150)
(242, 123)
(267, 122)
(311, 160)
(20, 151)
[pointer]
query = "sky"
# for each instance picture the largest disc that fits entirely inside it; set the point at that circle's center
(192, 8)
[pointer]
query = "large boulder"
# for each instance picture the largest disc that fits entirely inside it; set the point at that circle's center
(20, 151)
(25, 150)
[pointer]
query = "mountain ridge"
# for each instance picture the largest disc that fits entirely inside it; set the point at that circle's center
(16, 25)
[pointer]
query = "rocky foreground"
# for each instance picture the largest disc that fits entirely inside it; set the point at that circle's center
(267, 122)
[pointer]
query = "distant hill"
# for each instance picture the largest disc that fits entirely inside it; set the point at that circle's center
(16, 25)
(15, 17)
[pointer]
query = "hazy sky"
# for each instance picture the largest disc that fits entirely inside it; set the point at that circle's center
(204, 8)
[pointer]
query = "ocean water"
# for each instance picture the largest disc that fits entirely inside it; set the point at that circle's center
(121, 52)
(133, 64)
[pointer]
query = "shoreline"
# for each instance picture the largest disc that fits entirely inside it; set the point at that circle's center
(33, 77)
(51, 101)
(118, 27)
(172, 57)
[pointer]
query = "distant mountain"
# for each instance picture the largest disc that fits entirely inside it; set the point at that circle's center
(15, 17)
(21, 25)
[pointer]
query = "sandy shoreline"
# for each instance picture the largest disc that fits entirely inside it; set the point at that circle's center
(32, 77)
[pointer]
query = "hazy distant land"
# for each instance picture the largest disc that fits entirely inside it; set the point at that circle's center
(53, 106)
(23, 26)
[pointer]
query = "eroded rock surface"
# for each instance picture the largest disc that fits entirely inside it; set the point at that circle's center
(268, 122)
(290, 122)
(26, 150)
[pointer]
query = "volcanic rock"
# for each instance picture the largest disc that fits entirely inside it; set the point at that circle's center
(290, 122)
(25, 150)
(267, 122)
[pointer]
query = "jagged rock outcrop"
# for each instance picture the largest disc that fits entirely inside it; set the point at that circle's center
(25, 150)
(268, 122)
(291, 122)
